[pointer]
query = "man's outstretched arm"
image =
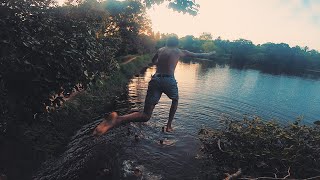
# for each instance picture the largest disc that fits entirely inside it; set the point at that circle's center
(186, 53)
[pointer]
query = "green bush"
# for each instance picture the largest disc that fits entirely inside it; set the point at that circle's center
(47, 51)
(262, 148)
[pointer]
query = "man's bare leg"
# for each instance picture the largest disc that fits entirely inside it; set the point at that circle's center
(173, 109)
(113, 119)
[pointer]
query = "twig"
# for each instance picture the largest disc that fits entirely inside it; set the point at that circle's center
(271, 178)
(260, 178)
(219, 145)
(316, 177)
(275, 175)
(234, 175)
(288, 174)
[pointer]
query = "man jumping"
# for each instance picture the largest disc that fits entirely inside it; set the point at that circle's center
(163, 81)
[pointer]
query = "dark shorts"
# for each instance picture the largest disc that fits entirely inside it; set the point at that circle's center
(161, 84)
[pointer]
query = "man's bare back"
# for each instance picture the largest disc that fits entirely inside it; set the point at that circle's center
(167, 60)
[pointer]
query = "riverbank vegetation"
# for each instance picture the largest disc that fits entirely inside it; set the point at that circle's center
(255, 149)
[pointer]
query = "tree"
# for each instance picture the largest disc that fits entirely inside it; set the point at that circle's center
(157, 36)
(208, 46)
(241, 51)
(190, 43)
(205, 36)
(184, 6)
(128, 21)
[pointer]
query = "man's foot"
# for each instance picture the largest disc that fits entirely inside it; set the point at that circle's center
(169, 129)
(106, 124)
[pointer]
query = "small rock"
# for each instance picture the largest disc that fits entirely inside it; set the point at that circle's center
(136, 137)
(137, 172)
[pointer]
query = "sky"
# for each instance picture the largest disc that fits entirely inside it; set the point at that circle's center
(295, 22)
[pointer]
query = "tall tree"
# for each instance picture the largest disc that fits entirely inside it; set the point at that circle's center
(205, 36)
(184, 6)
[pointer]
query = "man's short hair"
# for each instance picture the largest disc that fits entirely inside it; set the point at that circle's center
(172, 41)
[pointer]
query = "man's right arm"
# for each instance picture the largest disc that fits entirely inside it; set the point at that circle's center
(154, 59)
(186, 53)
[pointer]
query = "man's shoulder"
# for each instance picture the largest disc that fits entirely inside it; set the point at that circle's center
(170, 50)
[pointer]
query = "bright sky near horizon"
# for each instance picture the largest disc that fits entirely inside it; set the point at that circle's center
(295, 22)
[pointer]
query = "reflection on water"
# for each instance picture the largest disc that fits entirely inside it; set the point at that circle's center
(206, 93)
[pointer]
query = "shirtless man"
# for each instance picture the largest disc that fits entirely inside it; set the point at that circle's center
(163, 81)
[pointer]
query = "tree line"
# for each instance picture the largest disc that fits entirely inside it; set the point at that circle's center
(277, 58)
